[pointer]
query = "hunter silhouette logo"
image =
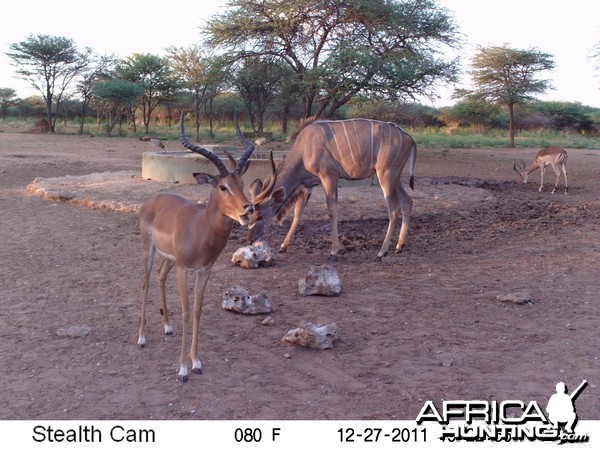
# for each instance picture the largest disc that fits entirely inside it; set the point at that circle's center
(509, 420)
(561, 407)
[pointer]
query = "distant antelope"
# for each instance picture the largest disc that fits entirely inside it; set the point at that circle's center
(326, 151)
(190, 237)
(549, 156)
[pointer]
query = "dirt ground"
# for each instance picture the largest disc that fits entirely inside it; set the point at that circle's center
(422, 325)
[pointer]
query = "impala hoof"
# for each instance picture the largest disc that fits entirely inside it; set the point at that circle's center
(197, 371)
(169, 333)
(378, 259)
(399, 250)
(141, 345)
(182, 378)
(282, 250)
(332, 258)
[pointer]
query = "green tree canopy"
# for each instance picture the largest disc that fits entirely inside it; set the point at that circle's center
(199, 73)
(507, 76)
(49, 63)
(154, 75)
(340, 48)
(113, 98)
(258, 81)
(8, 97)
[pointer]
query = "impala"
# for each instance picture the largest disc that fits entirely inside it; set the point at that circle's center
(190, 237)
(326, 151)
(549, 156)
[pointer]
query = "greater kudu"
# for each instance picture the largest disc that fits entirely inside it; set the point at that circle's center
(190, 237)
(549, 156)
(326, 151)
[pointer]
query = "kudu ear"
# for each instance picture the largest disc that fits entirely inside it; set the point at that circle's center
(204, 178)
(278, 196)
(256, 188)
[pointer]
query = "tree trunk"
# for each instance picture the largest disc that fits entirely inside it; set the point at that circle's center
(511, 125)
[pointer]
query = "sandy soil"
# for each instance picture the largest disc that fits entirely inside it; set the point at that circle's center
(422, 325)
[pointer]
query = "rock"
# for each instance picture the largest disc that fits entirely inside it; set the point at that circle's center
(318, 337)
(320, 280)
(518, 298)
(238, 299)
(253, 256)
(268, 321)
(74, 331)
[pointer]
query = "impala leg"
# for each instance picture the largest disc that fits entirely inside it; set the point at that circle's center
(163, 271)
(543, 171)
(331, 195)
(557, 173)
(199, 287)
(406, 203)
(149, 250)
(298, 210)
(185, 312)
(564, 169)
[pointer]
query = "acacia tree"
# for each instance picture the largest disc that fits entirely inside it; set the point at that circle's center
(507, 77)
(100, 70)
(341, 48)
(113, 98)
(154, 75)
(8, 97)
(49, 63)
(257, 81)
(595, 55)
(199, 73)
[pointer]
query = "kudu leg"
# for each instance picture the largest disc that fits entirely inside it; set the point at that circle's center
(163, 272)
(331, 195)
(185, 312)
(199, 287)
(393, 208)
(396, 198)
(298, 210)
(406, 203)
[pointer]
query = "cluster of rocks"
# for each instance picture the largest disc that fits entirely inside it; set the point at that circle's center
(318, 337)
(238, 299)
(318, 280)
(252, 256)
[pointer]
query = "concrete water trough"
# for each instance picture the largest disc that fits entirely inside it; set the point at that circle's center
(179, 166)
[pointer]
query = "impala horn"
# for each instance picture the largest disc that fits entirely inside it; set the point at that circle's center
(519, 167)
(240, 167)
(200, 150)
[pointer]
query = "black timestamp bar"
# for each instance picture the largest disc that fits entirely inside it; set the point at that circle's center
(404, 435)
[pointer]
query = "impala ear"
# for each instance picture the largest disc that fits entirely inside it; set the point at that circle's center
(256, 188)
(204, 178)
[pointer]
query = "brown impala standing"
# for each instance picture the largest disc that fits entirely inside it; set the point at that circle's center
(326, 151)
(190, 237)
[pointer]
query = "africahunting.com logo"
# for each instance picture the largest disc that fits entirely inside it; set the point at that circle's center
(510, 420)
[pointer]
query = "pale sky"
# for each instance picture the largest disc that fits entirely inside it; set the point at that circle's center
(566, 30)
